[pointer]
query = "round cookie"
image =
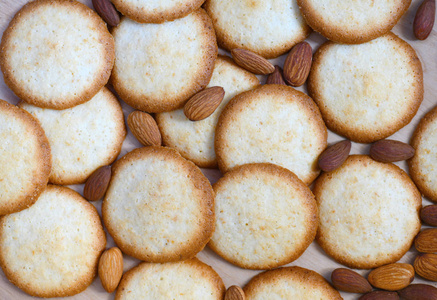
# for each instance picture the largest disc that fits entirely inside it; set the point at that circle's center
(52, 248)
(25, 159)
(268, 28)
(82, 138)
(290, 283)
(369, 212)
(159, 207)
(352, 22)
(275, 124)
(273, 212)
(56, 54)
(188, 279)
(369, 91)
(195, 140)
(159, 66)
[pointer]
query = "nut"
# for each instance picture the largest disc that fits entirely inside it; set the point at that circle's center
(426, 241)
(144, 128)
(107, 12)
(424, 19)
(252, 62)
(334, 156)
(276, 77)
(418, 292)
(349, 281)
(297, 65)
(111, 268)
(380, 295)
(426, 266)
(392, 277)
(234, 293)
(428, 214)
(204, 103)
(97, 184)
(390, 151)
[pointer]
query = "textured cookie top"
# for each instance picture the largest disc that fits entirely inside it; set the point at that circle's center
(265, 216)
(159, 66)
(275, 124)
(82, 138)
(188, 279)
(369, 212)
(52, 248)
(25, 159)
(56, 54)
(158, 206)
(195, 140)
(269, 28)
(369, 91)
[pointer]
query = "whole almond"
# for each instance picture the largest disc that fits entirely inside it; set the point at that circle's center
(392, 277)
(97, 184)
(143, 126)
(204, 103)
(426, 241)
(428, 214)
(380, 295)
(111, 269)
(234, 293)
(107, 12)
(276, 77)
(297, 65)
(424, 19)
(334, 156)
(252, 62)
(350, 281)
(391, 151)
(418, 292)
(426, 266)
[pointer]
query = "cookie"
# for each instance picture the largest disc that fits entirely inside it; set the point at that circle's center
(52, 248)
(290, 283)
(195, 140)
(369, 212)
(160, 66)
(369, 91)
(159, 207)
(82, 138)
(275, 124)
(56, 54)
(268, 28)
(25, 159)
(188, 279)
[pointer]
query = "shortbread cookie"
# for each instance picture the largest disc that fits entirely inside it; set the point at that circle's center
(269, 28)
(56, 54)
(195, 140)
(159, 66)
(265, 216)
(275, 124)
(369, 212)
(159, 206)
(189, 279)
(82, 138)
(369, 91)
(352, 22)
(25, 159)
(52, 248)
(290, 283)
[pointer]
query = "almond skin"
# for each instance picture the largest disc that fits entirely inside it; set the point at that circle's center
(424, 19)
(97, 184)
(426, 241)
(418, 292)
(392, 277)
(276, 77)
(391, 151)
(297, 65)
(380, 295)
(204, 103)
(334, 156)
(428, 214)
(350, 281)
(426, 266)
(235, 293)
(111, 269)
(107, 12)
(143, 126)
(252, 62)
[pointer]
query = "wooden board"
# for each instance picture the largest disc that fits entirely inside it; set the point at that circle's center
(314, 258)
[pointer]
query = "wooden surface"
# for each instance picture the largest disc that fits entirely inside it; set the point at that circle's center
(314, 258)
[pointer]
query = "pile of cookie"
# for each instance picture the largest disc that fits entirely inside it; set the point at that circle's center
(281, 187)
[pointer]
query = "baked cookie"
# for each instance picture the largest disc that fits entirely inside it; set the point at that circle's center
(369, 91)
(82, 138)
(188, 279)
(159, 66)
(275, 124)
(269, 28)
(159, 207)
(290, 283)
(25, 159)
(56, 54)
(369, 212)
(352, 22)
(52, 248)
(195, 140)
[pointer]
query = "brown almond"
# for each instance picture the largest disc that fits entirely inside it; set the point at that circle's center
(234, 293)
(97, 184)
(426, 241)
(204, 103)
(276, 77)
(426, 266)
(418, 292)
(297, 65)
(334, 156)
(350, 281)
(107, 12)
(380, 295)
(143, 126)
(111, 269)
(424, 19)
(428, 214)
(252, 62)
(392, 277)
(391, 151)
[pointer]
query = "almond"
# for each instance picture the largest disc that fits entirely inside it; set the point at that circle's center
(426, 241)
(349, 281)
(390, 151)
(424, 19)
(107, 12)
(426, 266)
(334, 156)
(380, 295)
(276, 77)
(392, 277)
(111, 268)
(234, 293)
(204, 103)
(297, 65)
(252, 62)
(418, 292)
(97, 184)
(143, 126)
(428, 214)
